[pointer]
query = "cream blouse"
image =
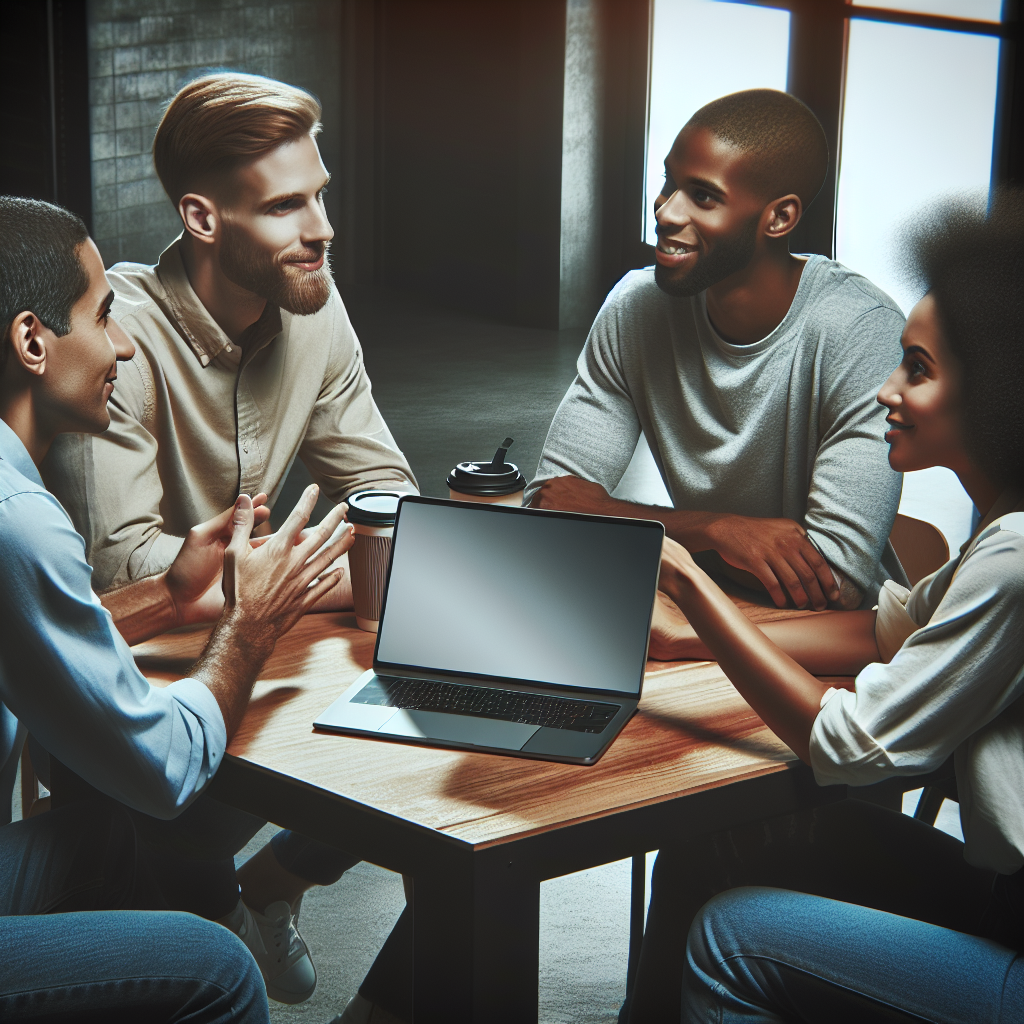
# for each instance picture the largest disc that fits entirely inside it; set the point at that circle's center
(955, 685)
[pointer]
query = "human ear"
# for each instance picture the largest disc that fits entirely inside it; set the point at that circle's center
(783, 215)
(28, 337)
(199, 216)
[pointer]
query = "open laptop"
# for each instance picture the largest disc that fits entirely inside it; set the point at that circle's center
(510, 630)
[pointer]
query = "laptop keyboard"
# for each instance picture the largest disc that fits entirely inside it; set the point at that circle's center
(486, 702)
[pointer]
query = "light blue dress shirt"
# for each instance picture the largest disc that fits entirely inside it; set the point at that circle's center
(67, 674)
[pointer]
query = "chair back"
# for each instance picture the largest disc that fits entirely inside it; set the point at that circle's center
(920, 547)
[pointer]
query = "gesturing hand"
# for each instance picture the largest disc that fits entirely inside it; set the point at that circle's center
(780, 554)
(192, 577)
(267, 588)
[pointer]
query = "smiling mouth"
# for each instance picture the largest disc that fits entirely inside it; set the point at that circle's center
(895, 429)
(681, 249)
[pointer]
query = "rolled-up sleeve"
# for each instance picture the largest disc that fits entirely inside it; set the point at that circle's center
(69, 676)
(952, 677)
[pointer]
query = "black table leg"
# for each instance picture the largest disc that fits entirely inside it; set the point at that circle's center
(476, 947)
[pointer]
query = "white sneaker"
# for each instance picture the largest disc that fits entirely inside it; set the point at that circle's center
(278, 950)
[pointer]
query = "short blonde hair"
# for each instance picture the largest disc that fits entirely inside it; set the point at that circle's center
(220, 121)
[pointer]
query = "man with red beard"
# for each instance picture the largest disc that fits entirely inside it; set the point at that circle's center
(245, 359)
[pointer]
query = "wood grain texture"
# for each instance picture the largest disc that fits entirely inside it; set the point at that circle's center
(693, 731)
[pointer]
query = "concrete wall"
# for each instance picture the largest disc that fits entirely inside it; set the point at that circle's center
(582, 129)
(142, 51)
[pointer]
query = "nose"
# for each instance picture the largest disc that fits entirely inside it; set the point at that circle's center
(318, 228)
(672, 214)
(889, 393)
(124, 347)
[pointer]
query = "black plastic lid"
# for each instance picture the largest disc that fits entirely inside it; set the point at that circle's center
(488, 479)
(480, 478)
(373, 508)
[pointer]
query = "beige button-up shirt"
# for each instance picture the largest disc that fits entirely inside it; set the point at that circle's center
(196, 420)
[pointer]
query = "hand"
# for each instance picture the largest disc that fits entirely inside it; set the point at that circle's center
(267, 588)
(672, 637)
(192, 578)
(571, 494)
(780, 554)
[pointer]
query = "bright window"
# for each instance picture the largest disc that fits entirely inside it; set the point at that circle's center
(701, 50)
(917, 123)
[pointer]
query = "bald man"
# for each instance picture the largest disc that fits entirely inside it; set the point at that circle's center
(752, 372)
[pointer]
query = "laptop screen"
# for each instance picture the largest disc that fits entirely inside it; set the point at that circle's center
(551, 598)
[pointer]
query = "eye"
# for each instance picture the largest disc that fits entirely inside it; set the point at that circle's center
(702, 197)
(286, 206)
(917, 368)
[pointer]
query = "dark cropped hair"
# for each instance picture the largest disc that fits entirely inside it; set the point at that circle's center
(973, 264)
(785, 140)
(40, 269)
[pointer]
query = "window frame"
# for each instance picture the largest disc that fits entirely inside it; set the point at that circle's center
(818, 45)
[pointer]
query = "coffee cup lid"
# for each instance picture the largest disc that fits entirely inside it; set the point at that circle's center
(488, 479)
(373, 508)
(480, 478)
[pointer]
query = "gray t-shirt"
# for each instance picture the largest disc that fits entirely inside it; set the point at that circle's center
(785, 427)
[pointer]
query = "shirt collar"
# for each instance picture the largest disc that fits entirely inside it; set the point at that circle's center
(201, 331)
(13, 452)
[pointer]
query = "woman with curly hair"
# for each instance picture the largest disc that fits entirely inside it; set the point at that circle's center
(853, 912)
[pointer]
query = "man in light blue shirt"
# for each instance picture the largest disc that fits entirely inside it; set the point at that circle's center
(66, 670)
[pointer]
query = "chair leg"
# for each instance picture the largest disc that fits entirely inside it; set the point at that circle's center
(638, 897)
(929, 805)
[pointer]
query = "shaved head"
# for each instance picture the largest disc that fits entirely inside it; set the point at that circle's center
(786, 143)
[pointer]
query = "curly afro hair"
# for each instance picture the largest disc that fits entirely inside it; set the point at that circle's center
(973, 264)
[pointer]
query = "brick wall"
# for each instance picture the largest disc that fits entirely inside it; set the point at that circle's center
(142, 51)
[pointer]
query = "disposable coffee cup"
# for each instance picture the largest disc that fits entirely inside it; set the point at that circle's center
(372, 515)
(496, 482)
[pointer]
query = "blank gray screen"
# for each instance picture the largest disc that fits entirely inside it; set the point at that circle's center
(520, 595)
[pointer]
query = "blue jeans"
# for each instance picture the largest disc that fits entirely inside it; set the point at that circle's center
(763, 956)
(105, 964)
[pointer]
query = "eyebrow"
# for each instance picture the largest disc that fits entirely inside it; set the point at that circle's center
(284, 197)
(711, 186)
(918, 350)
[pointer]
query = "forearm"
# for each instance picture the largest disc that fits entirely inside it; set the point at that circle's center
(232, 659)
(571, 494)
(825, 643)
(786, 696)
(142, 609)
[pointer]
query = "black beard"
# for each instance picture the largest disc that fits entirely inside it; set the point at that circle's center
(728, 256)
(269, 277)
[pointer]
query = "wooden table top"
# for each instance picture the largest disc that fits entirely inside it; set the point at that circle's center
(692, 731)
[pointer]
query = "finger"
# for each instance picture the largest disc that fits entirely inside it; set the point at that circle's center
(809, 582)
(299, 516)
(764, 572)
(259, 499)
(822, 570)
(261, 514)
(320, 589)
(786, 575)
(322, 560)
(238, 547)
(321, 534)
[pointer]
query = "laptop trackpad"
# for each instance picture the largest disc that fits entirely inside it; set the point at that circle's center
(481, 732)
